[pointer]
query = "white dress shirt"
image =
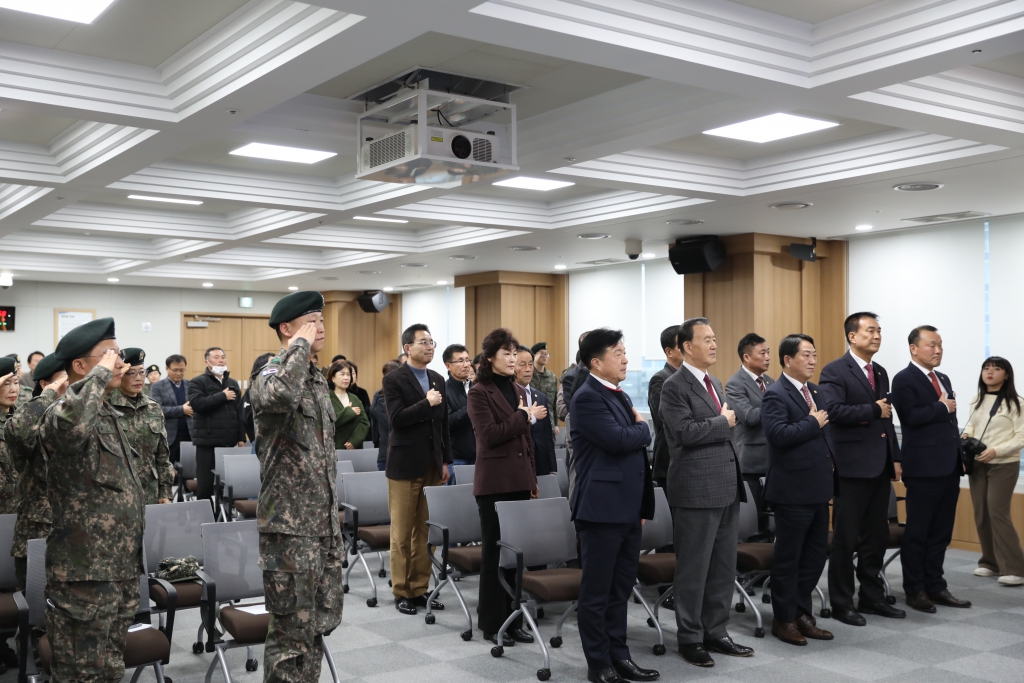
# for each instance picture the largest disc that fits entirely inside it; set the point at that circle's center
(700, 375)
(529, 402)
(800, 387)
(927, 373)
(861, 363)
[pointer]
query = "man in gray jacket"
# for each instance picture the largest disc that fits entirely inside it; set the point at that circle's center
(744, 390)
(704, 491)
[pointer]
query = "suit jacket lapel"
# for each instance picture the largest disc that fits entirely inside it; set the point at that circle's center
(498, 398)
(752, 387)
(855, 369)
(795, 394)
(699, 388)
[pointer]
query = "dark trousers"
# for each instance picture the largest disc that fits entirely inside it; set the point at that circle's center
(175, 448)
(860, 525)
(495, 605)
(205, 462)
(931, 510)
(610, 555)
(801, 548)
(757, 491)
(705, 577)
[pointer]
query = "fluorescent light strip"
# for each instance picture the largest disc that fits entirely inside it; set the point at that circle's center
(771, 127)
(380, 220)
(539, 184)
(297, 155)
(194, 202)
(81, 11)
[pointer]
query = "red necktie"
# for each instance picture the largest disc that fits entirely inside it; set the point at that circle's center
(711, 390)
(807, 397)
(935, 384)
(870, 369)
(760, 383)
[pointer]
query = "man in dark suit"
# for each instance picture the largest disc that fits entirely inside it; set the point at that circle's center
(541, 431)
(856, 391)
(614, 492)
(171, 393)
(419, 450)
(704, 492)
(744, 390)
(932, 464)
(673, 359)
(801, 480)
(456, 359)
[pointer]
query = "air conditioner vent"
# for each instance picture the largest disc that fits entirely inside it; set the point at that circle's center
(602, 262)
(388, 149)
(943, 217)
(482, 150)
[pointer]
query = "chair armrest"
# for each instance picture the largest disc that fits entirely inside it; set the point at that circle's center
(24, 633)
(355, 524)
(444, 548)
(518, 593)
(209, 598)
(172, 604)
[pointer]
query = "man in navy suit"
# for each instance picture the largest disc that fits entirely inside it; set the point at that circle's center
(614, 492)
(931, 456)
(542, 431)
(801, 480)
(867, 455)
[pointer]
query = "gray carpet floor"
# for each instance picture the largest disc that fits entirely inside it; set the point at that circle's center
(379, 645)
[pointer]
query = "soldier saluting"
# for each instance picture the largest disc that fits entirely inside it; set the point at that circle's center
(297, 514)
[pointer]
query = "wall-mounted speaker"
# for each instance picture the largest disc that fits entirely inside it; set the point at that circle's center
(373, 302)
(696, 254)
(805, 252)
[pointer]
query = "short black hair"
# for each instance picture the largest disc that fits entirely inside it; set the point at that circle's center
(338, 357)
(524, 349)
(597, 343)
(670, 337)
(749, 341)
(390, 366)
(409, 335)
(175, 358)
(34, 354)
(852, 322)
(790, 346)
(450, 352)
(206, 354)
(915, 334)
(686, 330)
(496, 340)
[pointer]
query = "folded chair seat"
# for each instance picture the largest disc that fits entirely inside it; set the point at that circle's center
(376, 536)
(246, 508)
(142, 646)
(192, 485)
(468, 558)
(243, 626)
(190, 594)
(554, 585)
(753, 557)
(895, 535)
(657, 567)
(8, 611)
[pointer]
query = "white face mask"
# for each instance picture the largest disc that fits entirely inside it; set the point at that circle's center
(218, 369)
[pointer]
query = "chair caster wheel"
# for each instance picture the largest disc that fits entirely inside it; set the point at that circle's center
(371, 602)
(766, 599)
(543, 674)
(344, 588)
(497, 651)
(197, 648)
(556, 641)
(429, 618)
(891, 599)
(389, 583)
(251, 665)
(740, 607)
(344, 564)
(759, 632)
(826, 613)
(540, 612)
(382, 573)
(467, 635)
(167, 679)
(210, 647)
(659, 649)
(650, 622)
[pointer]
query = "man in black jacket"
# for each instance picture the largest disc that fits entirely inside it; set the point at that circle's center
(673, 360)
(217, 414)
(456, 359)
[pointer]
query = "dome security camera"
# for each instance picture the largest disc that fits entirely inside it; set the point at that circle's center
(634, 248)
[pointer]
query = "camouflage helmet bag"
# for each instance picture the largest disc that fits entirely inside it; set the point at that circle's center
(175, 569)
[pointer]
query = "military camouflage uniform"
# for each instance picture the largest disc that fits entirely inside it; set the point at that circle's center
(547, 383)
(8, 473)
(22, 436)
(300, 538)
(24, 395)
(94, 551)
(143, 421)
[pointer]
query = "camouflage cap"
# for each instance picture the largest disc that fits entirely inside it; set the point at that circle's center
(7, 365)
(47, 368)
(296, 305)
(79, 341)
(134, 356)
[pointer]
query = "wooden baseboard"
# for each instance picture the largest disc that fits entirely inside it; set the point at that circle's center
(965, 532)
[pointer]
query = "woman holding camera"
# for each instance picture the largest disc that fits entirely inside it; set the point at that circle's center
(1000, 429)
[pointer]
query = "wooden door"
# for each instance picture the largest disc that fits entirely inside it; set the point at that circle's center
(257, 338)
(243, 339)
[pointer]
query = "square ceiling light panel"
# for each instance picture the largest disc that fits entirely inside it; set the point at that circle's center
(539, 184)
(771, 127)
(81, 11)
(297, 155)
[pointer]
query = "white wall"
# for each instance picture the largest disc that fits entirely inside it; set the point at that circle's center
(443, 310)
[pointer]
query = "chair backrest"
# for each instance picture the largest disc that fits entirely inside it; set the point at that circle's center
(35, 582)
(242, 473)
(464, 473)
(344, 467)
(368, 445)
(563, 476)
(657, 532)
(748, 516)
(221, 451)
(368, 493)
(231, 551)
(541, 528)
(454, 507)
(8, 579)
(547, 486)
(188, 460)
(175, 530)
(362, 459)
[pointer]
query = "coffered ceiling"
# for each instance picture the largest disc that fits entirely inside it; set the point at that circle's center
(614, 96)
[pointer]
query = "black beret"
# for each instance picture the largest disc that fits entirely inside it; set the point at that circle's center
(6, 366)
(296, 305)
(81, 340)
(134, 356)
(17, 359)
(537, 347)
(153, 368)
(47, 368)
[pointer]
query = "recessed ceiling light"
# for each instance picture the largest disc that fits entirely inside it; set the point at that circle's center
(389, 289)
(863, 228)
(648, 255)
(81, 11)
(917, 187)
(297, 155)
(379, 220)
(207, 284)
(523, 247)
(414, 265)
(593, 236)
(462, 257)
(539, 184)
(144, 198)
(684, 221)
(560, 266)
(368, 272)
(293, 288)
(791, 206)
(771, 127)
(442, 282)
(113, 279)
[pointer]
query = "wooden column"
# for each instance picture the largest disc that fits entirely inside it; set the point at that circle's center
(761, 288)
(369, 339)
(535, 306)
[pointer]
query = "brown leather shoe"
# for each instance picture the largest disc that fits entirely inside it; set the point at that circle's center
(787, 633)
(946, 598)
(808, 629)
(921, 603)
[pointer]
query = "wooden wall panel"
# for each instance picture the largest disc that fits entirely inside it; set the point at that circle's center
(368, 339)
(558, 318)
(693, 295)
(488, 312)
(519, 311)
(472, 342)
(832, 292)
(257, 338)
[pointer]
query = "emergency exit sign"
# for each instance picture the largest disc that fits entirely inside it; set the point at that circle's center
(6, 318)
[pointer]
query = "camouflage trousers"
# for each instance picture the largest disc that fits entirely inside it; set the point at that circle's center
(87, 622)
(302, 582)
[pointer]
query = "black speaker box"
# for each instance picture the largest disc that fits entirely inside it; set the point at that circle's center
(373, 302)
(696, 254)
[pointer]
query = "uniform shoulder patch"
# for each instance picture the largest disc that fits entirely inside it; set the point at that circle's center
(268, 371)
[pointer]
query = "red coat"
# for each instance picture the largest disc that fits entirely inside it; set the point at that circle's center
(504, 447)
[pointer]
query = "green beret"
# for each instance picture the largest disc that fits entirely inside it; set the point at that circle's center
(296, 305)
(153, 368)
(81, 340)
(537, 347)
(47, 368)
(15, 356)
(134, 356)
(6, 366)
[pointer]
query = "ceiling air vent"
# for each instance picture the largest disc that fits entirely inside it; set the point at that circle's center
(944, 217)
(602, 262)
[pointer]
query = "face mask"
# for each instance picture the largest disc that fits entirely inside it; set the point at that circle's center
(218, 369)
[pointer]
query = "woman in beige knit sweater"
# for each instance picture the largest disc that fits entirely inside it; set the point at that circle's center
(996, 471)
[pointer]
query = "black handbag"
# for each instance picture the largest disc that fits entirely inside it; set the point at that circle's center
(973, 447)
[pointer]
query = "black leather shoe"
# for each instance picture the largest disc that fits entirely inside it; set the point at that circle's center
(921, 603)
(946, 598)
(881, 609)
(506, 640)
(628, 669)
(520, 635)
(848, 615)
(405, 606)
(8, 657)
(669, 604)
(695, 654)
(609, 675)
(726, 646)
(421, 601)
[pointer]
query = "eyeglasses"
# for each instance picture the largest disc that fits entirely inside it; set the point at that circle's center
(429, 343)
(120, 354)
(135, 373)
(462, 361)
